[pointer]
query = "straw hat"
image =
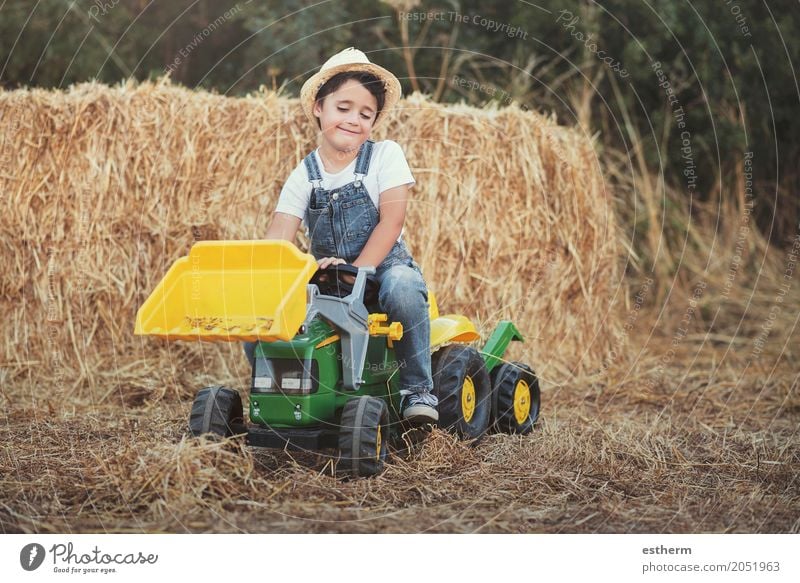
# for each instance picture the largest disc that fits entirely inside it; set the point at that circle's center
(350, 59)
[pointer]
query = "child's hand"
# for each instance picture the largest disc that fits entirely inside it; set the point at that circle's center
(326, 262)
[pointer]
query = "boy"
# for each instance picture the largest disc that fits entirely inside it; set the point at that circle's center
(352, 194)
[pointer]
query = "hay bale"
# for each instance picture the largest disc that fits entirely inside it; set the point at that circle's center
(106, 186)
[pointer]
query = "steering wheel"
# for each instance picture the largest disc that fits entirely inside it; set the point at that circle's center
(333, 281)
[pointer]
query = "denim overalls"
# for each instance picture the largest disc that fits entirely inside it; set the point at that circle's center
(340, 221)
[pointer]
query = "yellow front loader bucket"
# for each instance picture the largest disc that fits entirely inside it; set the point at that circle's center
(231, 291)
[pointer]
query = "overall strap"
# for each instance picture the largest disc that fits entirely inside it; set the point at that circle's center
(314, 176)
(362, 163)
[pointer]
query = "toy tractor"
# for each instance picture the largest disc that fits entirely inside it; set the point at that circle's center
(324, 372)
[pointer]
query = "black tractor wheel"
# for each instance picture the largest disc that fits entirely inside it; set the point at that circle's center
(363, 437)
(217, 411)
(464, 390)
(516, 399)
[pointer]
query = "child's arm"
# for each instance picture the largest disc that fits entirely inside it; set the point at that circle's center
(393, 215)
(292, 204)
(283, 226)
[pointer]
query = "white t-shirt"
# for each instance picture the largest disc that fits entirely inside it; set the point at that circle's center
(387, 168)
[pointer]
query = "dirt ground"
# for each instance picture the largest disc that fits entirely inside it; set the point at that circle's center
(709, 443)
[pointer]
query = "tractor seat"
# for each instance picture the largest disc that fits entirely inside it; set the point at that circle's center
(434, 307)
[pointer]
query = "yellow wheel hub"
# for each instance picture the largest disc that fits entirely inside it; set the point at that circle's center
(378, 445)
(522, 401)
(468, 399)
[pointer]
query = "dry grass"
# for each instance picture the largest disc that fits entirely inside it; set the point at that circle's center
(687, 457)
(662, 418)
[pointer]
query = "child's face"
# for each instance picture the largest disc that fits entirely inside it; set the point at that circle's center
(347, 115)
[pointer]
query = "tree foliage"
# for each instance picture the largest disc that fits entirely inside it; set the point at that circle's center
(729, 62)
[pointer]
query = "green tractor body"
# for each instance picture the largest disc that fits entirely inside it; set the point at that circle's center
(297, 392)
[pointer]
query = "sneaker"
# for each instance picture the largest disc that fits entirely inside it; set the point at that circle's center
(419, 407)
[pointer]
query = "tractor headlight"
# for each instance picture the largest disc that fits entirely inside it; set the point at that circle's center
(285, 375)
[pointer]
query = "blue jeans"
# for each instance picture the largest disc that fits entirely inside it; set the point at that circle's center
(403, 296)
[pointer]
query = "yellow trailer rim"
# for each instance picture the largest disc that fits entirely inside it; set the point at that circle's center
(522, 401)
(468, 399)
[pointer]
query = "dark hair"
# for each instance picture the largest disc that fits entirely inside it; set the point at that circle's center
(370, 82)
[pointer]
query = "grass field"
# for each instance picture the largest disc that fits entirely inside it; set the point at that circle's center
(707, 449)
